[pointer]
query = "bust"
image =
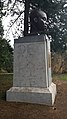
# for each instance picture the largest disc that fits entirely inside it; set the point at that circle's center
(38, 20)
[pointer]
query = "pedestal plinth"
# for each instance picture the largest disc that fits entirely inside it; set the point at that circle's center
(32, 80)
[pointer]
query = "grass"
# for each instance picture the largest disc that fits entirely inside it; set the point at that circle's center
(60, 76)
(6, 81)
(63, 77)
(5, 84)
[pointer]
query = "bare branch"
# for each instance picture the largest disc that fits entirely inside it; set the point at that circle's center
(14, 22)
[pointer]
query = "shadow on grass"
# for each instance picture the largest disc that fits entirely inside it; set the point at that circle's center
(5, 83)
(3, 96)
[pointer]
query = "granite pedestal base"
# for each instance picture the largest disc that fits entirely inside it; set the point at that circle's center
(32, 95)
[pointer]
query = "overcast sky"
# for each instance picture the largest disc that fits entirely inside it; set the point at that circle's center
(5, 26)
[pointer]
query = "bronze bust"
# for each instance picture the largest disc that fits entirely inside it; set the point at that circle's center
(38, 20)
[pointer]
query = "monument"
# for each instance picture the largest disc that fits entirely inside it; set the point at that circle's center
(32, 81)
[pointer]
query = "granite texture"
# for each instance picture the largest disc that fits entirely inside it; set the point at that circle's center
(44, 96)
(32, 80)
(30, 64)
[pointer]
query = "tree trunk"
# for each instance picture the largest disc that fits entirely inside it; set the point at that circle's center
(27, 4)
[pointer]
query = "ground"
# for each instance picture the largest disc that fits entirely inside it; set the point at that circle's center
(9, 110)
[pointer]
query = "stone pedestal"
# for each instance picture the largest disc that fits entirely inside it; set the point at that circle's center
(32, 80)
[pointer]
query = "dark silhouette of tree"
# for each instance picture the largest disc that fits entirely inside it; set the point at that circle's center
(56, 11)
(6, 52)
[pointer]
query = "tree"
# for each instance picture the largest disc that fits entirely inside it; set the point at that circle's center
(6, 52)
(57, 22)
(6, 56)
(1, 27)
(57, 19)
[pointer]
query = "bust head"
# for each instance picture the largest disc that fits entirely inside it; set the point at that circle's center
(38, 19)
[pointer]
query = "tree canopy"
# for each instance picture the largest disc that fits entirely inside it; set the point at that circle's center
(56, 11)
(6, 52)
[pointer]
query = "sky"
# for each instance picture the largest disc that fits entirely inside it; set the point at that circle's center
(5, 22)
(11, 33)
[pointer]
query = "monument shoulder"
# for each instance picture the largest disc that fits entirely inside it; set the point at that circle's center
(30, 39)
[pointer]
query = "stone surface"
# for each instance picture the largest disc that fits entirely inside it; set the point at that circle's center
(32, 95)
(32, 81)
(30, 62)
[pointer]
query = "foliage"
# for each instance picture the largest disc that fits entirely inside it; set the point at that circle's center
(6, 56)
(1, 27)
(6, 52)
(57, 22)
(5, 84)
(57, 19)
(59, 63)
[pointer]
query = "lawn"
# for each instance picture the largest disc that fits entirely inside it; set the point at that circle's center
(15, 110)
(60, 76)
(6, 81)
